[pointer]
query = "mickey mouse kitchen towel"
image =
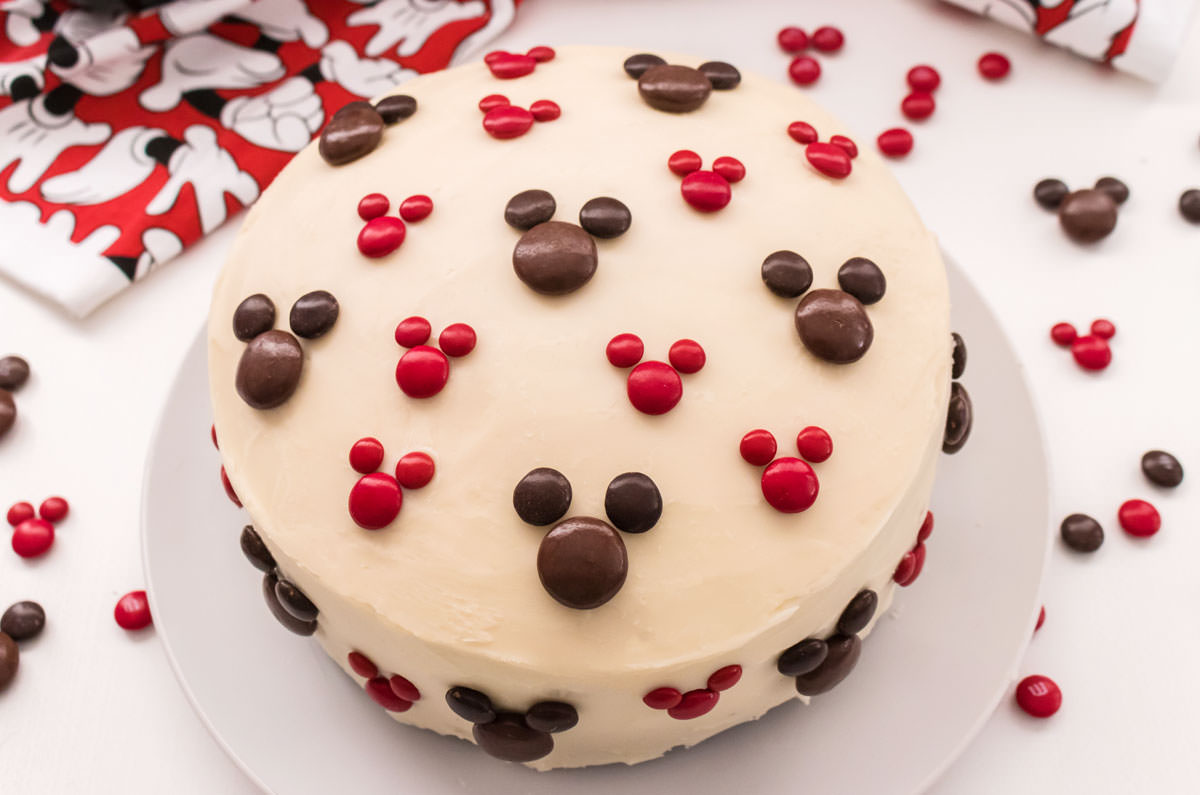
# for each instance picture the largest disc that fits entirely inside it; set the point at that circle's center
(125, 136)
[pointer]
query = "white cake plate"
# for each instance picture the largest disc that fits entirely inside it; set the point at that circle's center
(930, 675)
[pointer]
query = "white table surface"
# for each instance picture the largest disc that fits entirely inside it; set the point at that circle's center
(95, 709)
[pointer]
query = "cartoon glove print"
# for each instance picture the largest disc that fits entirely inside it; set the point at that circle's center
(34, 137)
(211, 171)
(410, 23)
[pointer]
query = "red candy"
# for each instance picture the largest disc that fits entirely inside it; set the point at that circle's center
(375, 501)
(802, 132)
(413, 331)
(919, 552)
(828, 39)
(458, 339)
(918, 105)
(229, 492)
(624, 350)
(1091, 353)
(403, 688)
(373, 205)
(545, 110)
(362, 665)
(725, 678)
(132, 611)
(541, 54)
(994, 66)
(493, 101)
(416, 208)
(814, 444)
(1063, 333)
(896, 142)
(507, 121)
(905, 568)
(758, 447)
(381, 690)
(926, 528)
(790, 485)
(366, 455)
(694, 704)
(830, 160)
(654, 388)
(792, 39)
(19, 512)
(804, 70)
(213, 433)
(684, 162)
(381, 236)
(1041, 619)
(686, 356)
(1104, 329)
(706, 191)
(844, 143)
(729, 168)
(32, 537)
(507, 65)
(923, 78)
(422, 372)
(662, 698)
(1139, 518)
(493, 56)
(1039, 696)
(414, 471)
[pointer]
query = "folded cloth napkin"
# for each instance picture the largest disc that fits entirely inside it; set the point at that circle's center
(125, 136)
(1141, 37)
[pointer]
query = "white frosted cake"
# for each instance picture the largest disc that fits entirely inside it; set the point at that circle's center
(589, 420)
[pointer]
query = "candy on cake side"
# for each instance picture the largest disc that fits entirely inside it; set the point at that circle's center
(448, 594)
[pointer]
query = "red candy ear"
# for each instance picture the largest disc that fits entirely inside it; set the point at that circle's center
(507, 65)
(730, 168)
(493, 101)
(684, 162)
(416, 207)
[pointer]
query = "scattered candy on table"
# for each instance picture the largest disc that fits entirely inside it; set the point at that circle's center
(132, 611)
(1039, 696)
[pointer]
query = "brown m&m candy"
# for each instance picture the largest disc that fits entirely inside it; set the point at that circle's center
(10, 660)
(959, 417)
(958, 357)
(633, 503)
(674, 89)
(396, 108)
(1088, 215)
(253, 316)
(858, 613)
(1081, 532)
(14, 372)
(1162, 468)
(582, 562)
(787, 274)
(1115, 188)
(605, 217)
(255, 550)
(470, 704)
(529, 208)
(293, 600)
(508, 738)
(1189, 205)
(551, 717)
(637, 65)
(843, 654)
(313, 314)
(542, 497)
(8, 412)
(1049, 193)
(23, 620)
(803, 657)
(555, 258)
(834, 325)
(354, 131)
(269, 370)
(721, 76)
(297, 625)
(863, 279)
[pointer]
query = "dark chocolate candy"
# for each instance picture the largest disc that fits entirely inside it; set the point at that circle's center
(470, 704)
(253, 316)
(269, 370)
(1189, 205)
(551, 716)
(787, 274)
(1088, 215)
(858, 613)
(605, 217)
(674, 89)
(1162, 468)
(14, 372)
(636, 65)
(529, 208)
(299, 626)
(23, 620)
(958, 419)
(555, 258)
(1114, 187)
(508, 738)
(396, 108)
(723, 76)
(313, 314)
(863, 279)
(1081, 532)
(958, 357)
(354, 131)
(255, 550)
(1049, 193)
(582, 562)
(633, 503)
(802, 658)
(834, 326)
(293, 600)
(844, 651)
(8, 412)
(542, 497)
(10, 660)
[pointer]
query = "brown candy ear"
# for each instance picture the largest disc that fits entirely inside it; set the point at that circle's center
(636, 65)
(723, 76)
(605, 217)
(529, 208)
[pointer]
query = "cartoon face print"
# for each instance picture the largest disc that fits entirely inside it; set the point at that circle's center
(269, 370)
(509, 735)
(582, 561)
(679, 89)
(556, 257)
(832, 324)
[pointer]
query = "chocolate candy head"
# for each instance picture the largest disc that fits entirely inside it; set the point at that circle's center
(555, 257)
(834, 326)
(1088, 215)
(269, 370)
(842, 656)
(582, 562)
(354, 131)
(633, 503)
(679, 89)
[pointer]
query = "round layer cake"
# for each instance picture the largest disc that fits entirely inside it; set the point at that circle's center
(611, 423)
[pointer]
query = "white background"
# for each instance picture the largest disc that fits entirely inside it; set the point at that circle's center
(95, 709)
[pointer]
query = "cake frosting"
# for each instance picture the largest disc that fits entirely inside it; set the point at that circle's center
(447, 596)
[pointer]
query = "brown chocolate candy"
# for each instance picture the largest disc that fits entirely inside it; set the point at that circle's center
(470, 704)
(10, 660)
(803, 657)
(844, 651)
(1081, 532)
(863, 279)
(958, 357)
(858, 613)
(8, 412)
(1088, 215)
(253, 316)
(542, 497)
(508, 738)
(1114, 187)
(529, 208)
(787, 274)
(354, 131)
(674, 89)
(255, 550)
(605, 217)
(293, 600)
(14, 372)
(582, 562)
(1162, 468)
(1049, 193)
(1189, 205)
(959, 417)
(299, 626)
(313, 314)
(551, 717)
(637, 65)
(834, 326)
(23, 620)
(633, 503)
(722, 76)
(269, 369)
(396, 108)
(555, 258)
